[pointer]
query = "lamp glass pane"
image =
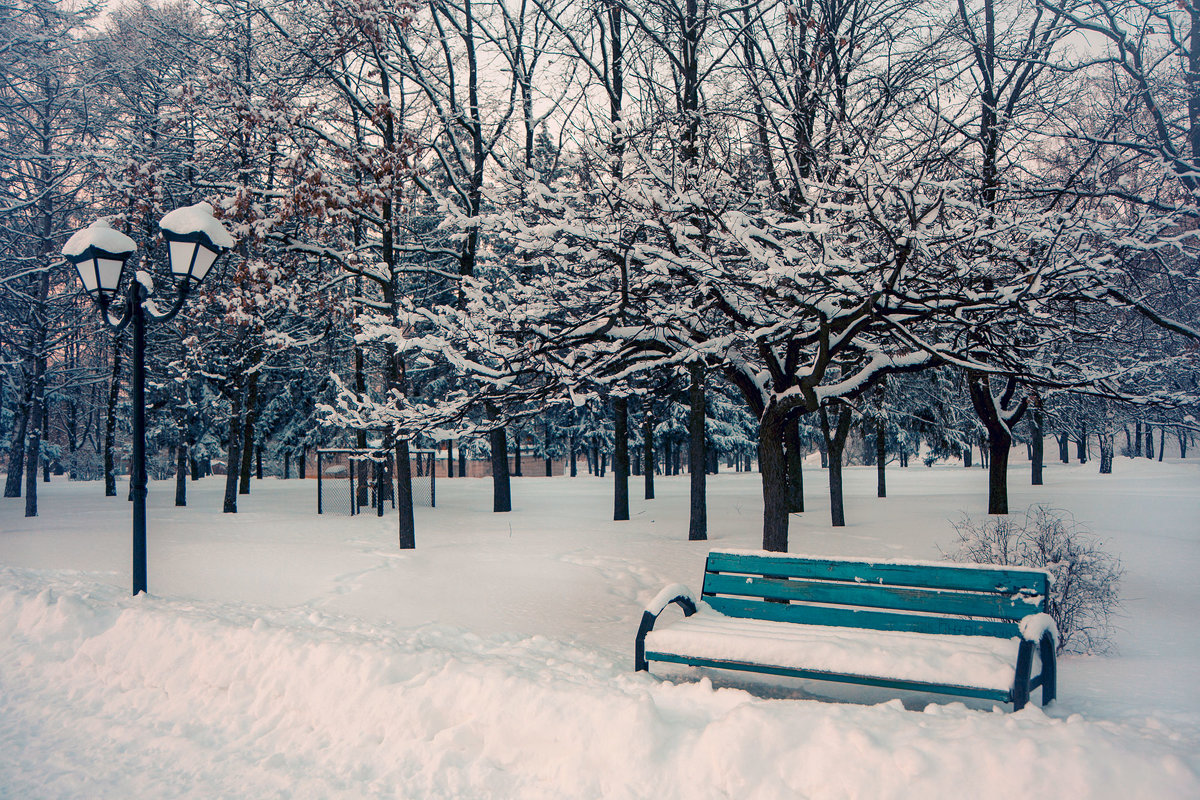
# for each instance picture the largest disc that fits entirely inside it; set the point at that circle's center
(109, 270)
(204, 260)
(87, 274)
(181, 257)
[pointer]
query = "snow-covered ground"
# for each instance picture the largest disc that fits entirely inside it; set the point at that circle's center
(282, 654)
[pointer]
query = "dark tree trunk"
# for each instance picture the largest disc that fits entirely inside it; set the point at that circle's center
(620, 407)
(998, 474)
(16, 456)
(773, 463)
(46, 437)
(302, 467)
(1137, 439)
(1149, 440)
(462, 462)
(233, 459)
(1064, 454)
(698, 522)
(501, 489)
(1162, 434)
(406, 524)
(33, 454)
(823, 449)
(999, 422)
(517, 454)
(194, 462)
(967, 451)
(1106, 453)
(574, 458)
(258, 472)
(794, 453)
(449, 458)
(181, 466)
(249, 414)
(1081, 447)
(1183, 442)
(881, 457)
(287, 464)
(648, 452)
(836, 445)
(1037, 423)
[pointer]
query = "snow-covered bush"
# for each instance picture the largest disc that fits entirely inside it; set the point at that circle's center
(1084, 594)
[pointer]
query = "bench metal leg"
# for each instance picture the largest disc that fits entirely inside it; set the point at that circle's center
(1049, 669)
(1020, 690)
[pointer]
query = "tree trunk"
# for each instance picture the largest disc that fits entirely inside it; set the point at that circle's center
(1037, 423)
(998, 421)
(517, 454)
(16, 456)
(1064, 454)
(967, 452)
(1137, 439)
(258, 472)
(462, 462)
(287, 464)
(998, 446)
(46, 437)
(406, 524)
(33, 454)
(233, 459)
(836, 445)
(773, 463)
(648, 452)
(249, 414)
(1149, 440)
(698, 520)
(302, 468)
(1183, 442)
(501, 490)
(1106, 453)
(1162, 429)
(1081, 447)
(881, 457)
(181, 465)
(574, 457)
(449, 458)
(620, 407)
(795, 465)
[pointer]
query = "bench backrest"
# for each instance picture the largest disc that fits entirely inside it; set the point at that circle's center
(974, 600)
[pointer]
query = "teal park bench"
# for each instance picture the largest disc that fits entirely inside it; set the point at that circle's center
(957, 629)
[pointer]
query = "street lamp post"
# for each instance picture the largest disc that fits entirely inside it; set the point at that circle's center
(195, 240)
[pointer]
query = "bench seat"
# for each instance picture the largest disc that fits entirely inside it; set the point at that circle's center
(977, 662)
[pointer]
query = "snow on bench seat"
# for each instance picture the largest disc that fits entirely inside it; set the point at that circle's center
(983, 662)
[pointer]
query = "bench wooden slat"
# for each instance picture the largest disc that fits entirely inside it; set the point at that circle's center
(900, 598)
(861, 618)
(864, 680)
(999, 580)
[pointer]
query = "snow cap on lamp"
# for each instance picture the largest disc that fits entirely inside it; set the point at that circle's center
(195, 240)
(99, 253)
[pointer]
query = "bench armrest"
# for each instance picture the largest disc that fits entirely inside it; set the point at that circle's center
(1039, 630)
(1035, 626)
(675, 593)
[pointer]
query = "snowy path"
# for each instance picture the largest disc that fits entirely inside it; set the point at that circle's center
(282, 655)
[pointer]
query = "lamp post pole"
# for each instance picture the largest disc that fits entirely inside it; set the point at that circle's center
(137, 474)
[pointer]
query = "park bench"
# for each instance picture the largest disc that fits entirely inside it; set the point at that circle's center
(958, 629)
